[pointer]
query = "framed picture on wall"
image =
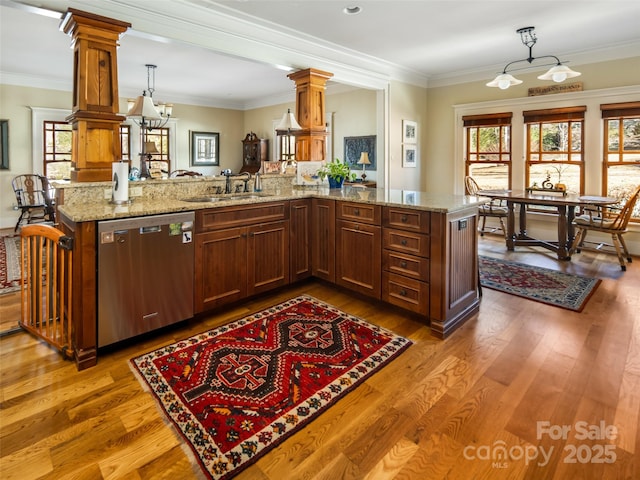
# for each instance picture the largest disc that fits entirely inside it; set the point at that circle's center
(353, 148)
(409, 132)
(205, 149)
(4, 144)
(409, 156)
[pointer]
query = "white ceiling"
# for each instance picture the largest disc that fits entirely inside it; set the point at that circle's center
(224, 53)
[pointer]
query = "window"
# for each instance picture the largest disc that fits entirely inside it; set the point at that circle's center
(125, 143)
(160, 162)
(286, 147)
(554, 152)
(57, 150)
(621, 158)
(488, 149)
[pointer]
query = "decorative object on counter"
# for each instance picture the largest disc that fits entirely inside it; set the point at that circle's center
(336, 172)
(543, 285)
(307, 173)
(558, 73)
(364, 161)
(143, 111)
(134, 174)
(149, 149)
(409, 156)
(354, 146)
(257, 183)
(548, 186)
(409, 132)
(271, 167)
(236, 392)
(184, 173)
(255, 151)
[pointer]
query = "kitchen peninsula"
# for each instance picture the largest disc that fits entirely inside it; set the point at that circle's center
(414, 250)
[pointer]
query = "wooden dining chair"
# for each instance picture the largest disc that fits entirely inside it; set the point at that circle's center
(34, 199)
(493, 209)
(606, 220)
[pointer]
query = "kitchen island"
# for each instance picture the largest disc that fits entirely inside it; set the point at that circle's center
(414, 250)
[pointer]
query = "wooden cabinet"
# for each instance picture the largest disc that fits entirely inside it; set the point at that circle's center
(300, 239)
(358, 247)
(240, 251)
(254, 151)
(405, 259)
(323, 239)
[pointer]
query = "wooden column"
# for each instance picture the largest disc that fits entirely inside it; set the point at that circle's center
(310, 99)
(94, 117)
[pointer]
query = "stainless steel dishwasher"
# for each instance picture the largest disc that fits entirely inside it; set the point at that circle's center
(145, 274)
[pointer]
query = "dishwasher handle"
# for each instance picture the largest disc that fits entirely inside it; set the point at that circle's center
(151, 229)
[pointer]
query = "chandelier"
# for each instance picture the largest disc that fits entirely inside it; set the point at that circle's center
(557, 73)
(143, 111)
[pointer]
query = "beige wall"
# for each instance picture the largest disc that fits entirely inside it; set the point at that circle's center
(440, 146)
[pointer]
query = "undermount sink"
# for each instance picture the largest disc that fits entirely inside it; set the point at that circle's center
(248, 196)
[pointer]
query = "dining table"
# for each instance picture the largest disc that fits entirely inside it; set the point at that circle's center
(565, 205)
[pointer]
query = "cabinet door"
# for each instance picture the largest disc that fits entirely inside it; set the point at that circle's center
(267, 256)
(358, 257)
(221, 268)
(323, 240)
(299, 239)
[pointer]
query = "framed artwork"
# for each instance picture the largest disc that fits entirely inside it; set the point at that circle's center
(307, 173)
(4, 144)
(271, 167)
(409, 132)
(354, 146)
(205, 149)
(409, 156)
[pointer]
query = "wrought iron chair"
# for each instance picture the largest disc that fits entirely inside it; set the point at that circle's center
(605, 220)
(493, 209)
(33, 194)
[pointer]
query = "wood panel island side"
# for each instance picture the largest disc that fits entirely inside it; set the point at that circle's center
(413, 250)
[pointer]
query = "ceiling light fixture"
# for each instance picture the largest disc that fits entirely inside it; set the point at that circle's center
(557, 73)
(354, 10)
(288, 123)
(143, 111)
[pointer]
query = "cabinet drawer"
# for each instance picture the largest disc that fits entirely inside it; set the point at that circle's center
(406, 219)
(241, 215)
(359, 212)
(407, 265)
(405, 293)
(407, 242)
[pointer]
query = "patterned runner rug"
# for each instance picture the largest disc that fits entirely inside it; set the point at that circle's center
(237, 391)
(9, 263)
(560, 289)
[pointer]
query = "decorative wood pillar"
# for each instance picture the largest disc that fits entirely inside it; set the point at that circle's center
(310, 99)
(94, 118)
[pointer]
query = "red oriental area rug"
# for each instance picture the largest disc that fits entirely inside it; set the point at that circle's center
(543, 285)
(237, 391)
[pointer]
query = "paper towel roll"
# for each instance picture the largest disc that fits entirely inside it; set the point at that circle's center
(120, 177)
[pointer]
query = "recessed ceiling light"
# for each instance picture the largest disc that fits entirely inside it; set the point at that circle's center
(352, 10)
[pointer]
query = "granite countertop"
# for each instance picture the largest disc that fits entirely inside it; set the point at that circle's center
(105, 210)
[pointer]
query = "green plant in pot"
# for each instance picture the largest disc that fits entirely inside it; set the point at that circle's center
(336, 171)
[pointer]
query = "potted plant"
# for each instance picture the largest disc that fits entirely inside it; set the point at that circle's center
(336, 171)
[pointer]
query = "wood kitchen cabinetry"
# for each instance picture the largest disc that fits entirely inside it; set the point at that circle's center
(323, 239)
(300, 239)
(405, 258)
(240, 251)
(358, 247)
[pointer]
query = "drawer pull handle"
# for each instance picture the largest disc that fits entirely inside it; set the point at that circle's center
(403, 242)
(403, 293)
(404, 219)
(403, 264)
(356, 212)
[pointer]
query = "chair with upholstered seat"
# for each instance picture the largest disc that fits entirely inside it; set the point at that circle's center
(33, 195)
(493, 209)
(606, 220)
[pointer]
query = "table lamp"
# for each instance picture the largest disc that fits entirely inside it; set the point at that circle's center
(364, 161)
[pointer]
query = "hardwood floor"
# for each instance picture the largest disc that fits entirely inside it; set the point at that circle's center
(443, 409)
